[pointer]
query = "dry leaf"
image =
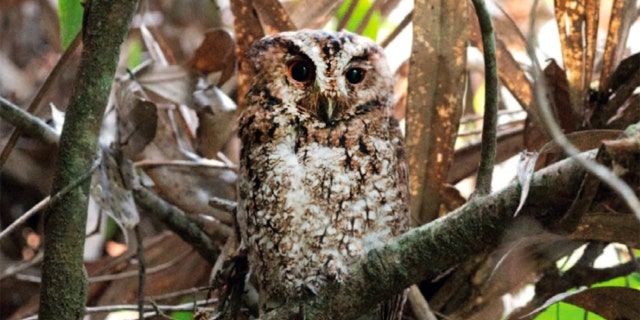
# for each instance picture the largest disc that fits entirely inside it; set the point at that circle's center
(217, 53)
(216, 112)
(608, 302)
(137, 125)
(526, 169)
(111, 188)
(437, 82)
(172, 84)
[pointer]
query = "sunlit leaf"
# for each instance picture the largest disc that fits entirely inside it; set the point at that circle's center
(358, 21)
(562, 311)
(577, 24)
(437, 82)
(70, 16)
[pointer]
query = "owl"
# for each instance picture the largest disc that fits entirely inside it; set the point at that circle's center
(323, 177)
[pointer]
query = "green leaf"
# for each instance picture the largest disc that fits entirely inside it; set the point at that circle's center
(70, 18)
(562, 310)
(182, 315)
(373, 25)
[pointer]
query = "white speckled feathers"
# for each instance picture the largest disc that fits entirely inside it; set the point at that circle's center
(322, 175)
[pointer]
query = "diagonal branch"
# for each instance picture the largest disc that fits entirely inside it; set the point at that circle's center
(427, 251)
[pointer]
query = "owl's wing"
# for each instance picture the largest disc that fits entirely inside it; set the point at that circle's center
(402, 169)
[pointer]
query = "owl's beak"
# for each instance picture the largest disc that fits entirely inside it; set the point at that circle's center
(328, 108)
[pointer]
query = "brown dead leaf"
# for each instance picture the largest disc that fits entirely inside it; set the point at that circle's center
(111, 188)
(189, 188)
(559, 99)
(578, 25)
(136, 127)
(216, 114)
(624, 73)
(623, 84)
(608, 227)
(247, 29)
(608, 302)
(583, 140)
(273, 16)
(622, 15)
(217, 53)
(166, 83)
(437, 81)
(312, 14)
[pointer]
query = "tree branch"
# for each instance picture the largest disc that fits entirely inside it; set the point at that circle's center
(64, 285)
(177, 221)
(427, 251)
(26, 122)
(490, 122)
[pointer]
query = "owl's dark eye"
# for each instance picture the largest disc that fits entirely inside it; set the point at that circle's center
(301, 70)
(355, 75)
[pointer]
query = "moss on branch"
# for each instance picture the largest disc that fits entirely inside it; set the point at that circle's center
(64, 285)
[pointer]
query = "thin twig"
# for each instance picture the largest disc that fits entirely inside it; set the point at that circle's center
(213, 164)
(141, 271)
(50, 200)
(347, 15)
(401, 26)
(364, 22)
(26, 122)
(223, 204)
(419, 305)
(125, 274)
(489, 125)
(148, 271)
(177, 221)
(132, 307)
(179, 293)
(14, 269)
(35, 103)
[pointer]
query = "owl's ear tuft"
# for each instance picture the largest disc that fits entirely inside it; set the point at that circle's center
(254, 56)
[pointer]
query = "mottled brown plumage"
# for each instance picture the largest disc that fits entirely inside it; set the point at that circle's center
(323, 177)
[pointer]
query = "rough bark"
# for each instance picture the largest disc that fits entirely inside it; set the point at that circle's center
(64, 284)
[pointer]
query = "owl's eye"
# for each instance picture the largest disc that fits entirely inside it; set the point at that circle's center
(355, 75)
(301, 70)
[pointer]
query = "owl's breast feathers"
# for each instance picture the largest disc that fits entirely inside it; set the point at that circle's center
(314, 197)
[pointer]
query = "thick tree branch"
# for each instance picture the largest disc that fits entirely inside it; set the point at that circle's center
(64, 284)
(427, 251)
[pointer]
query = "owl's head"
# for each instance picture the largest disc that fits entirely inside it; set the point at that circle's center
(331, 76)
